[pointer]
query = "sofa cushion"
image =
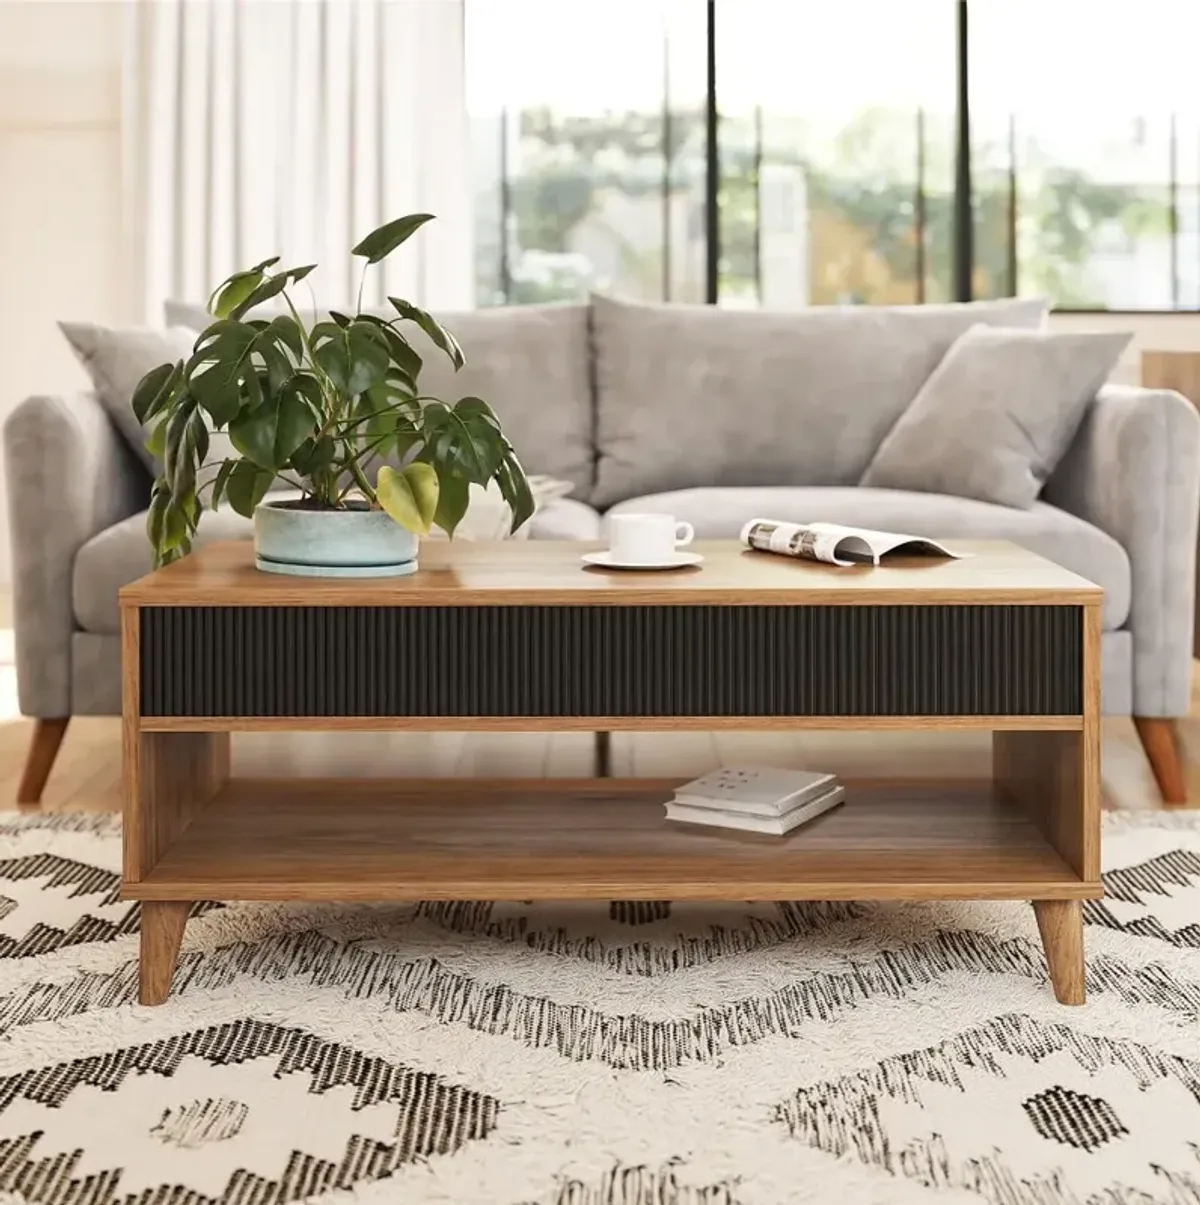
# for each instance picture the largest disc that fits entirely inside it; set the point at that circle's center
(695, 395)
(121, 554)
(116, 360)
(530, 363)
(997, 415)
(1058, 536)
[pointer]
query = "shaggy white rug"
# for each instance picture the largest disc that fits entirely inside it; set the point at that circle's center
(573, 1054)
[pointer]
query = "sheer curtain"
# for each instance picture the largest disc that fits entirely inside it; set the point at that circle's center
(293, 127)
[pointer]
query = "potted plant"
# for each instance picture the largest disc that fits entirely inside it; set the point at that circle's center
(317, 406)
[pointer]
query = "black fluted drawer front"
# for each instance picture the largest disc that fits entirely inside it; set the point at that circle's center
(612, 661)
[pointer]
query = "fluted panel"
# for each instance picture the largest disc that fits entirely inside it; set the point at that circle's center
(611, 661)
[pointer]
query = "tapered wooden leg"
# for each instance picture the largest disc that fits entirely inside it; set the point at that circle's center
(1061, 925)
(603, 754)
(43, 749)
(162, 931)
(1158, 738)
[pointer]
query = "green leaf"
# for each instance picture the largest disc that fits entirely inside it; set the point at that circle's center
(354, 358)
(454, 494)
(313, 456)
(402, 353)
(286, 330)
(409, 495)
(173, 446)
(271, 287)
(465, 440)
(156, 441)
(437, 333)
(220, 482)
(247, 487)
(279, 366)
(268, 434)
(340, 319)
(220, 366)
(295, 275)
(266, 263)
(154, 389)
(382, 242)
(228, 296)
(295, 423)
(514, 488)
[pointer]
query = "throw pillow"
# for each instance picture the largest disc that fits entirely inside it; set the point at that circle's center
(116, 360)
(996, 416)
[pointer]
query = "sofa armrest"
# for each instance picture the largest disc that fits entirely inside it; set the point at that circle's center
(1134, 472)
(69, 475)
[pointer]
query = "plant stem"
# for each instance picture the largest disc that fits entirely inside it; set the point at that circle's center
(363, 484)
(362, 280)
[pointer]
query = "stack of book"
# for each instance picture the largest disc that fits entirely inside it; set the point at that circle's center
(757, 800)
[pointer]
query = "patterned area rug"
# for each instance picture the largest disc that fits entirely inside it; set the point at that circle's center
(614, 1054)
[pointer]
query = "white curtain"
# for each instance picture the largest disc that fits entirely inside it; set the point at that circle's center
(292, 128)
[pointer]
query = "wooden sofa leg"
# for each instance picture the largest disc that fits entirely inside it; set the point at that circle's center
(1161, 743)
(43, 749)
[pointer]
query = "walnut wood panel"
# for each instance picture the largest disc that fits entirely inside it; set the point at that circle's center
(541, 839)
(569, 723)
(540, 572)
(168, 777)
(1055, 776)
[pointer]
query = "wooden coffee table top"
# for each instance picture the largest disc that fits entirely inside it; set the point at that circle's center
(515, 572)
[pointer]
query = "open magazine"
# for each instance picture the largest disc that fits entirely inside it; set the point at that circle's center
(834, 544)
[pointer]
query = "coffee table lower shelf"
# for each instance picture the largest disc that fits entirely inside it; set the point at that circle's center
(360, 840)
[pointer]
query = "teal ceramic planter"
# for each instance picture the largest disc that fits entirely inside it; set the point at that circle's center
(331, 543)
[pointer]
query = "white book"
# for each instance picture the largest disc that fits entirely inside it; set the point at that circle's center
(772, 825)
(755, 791)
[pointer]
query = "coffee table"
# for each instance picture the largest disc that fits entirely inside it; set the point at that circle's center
(518, 635)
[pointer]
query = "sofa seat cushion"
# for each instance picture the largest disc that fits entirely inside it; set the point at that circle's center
(121, 555)
(719, 513)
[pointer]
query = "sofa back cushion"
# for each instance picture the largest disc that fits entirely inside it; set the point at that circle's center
(530, 363)
(696, 395)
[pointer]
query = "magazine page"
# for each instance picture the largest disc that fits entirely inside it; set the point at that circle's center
(835, 544)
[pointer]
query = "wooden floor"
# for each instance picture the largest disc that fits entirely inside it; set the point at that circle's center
(87, 775)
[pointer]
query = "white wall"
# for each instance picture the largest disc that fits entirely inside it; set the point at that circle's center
(61, 250)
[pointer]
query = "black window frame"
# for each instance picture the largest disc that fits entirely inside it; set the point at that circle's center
(963, 200)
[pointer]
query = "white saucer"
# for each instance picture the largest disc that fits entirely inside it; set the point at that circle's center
(677, 560)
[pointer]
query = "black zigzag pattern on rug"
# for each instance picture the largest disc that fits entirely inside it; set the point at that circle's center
(432, 1117)
(846, 1117)
(85, 880)
(637, 1185)
(661, 953)
(1139, 885)
(579, 1032)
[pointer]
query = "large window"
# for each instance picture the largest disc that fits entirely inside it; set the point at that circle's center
(845, 166)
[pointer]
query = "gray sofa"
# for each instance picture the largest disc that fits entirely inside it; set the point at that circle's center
(713, 416)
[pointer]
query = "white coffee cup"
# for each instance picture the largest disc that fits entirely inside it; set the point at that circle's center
(644, 539)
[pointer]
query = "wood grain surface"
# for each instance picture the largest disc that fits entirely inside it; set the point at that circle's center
(545, 839)
(538, 572)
